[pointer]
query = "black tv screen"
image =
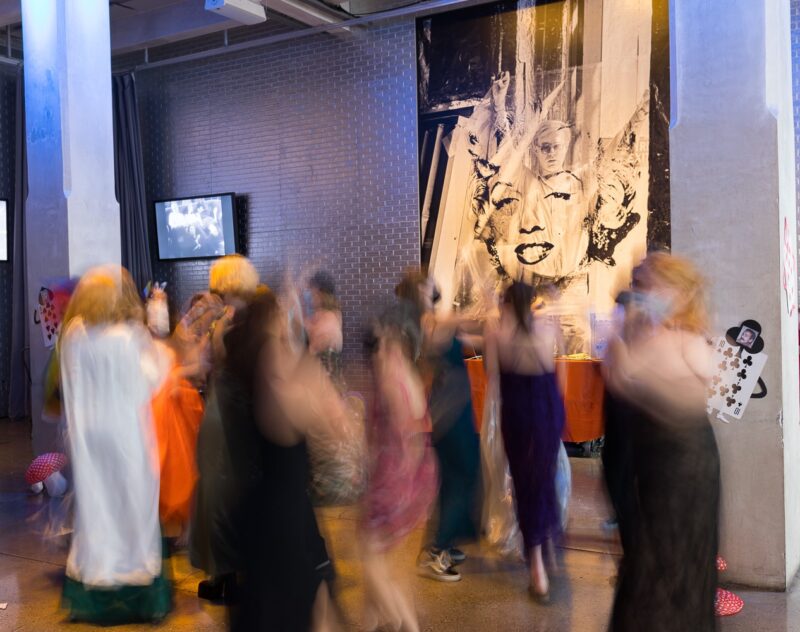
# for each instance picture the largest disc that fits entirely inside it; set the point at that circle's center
(196, 228)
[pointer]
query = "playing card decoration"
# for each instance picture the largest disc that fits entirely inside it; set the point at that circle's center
(738, 362)
(746, 335)
(52, 304)
(45, 315)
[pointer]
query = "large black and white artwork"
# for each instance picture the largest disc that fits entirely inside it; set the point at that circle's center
(543, 150)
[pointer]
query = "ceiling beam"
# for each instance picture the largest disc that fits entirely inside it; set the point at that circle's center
(425, 8)
(309, 13)
(171, 23)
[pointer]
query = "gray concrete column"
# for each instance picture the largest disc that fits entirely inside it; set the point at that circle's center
(72, 216)
(733, 197)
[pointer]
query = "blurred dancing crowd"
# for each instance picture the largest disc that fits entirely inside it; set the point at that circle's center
(221, 432)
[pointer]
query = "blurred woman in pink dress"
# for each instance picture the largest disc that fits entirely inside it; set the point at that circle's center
(402, 481)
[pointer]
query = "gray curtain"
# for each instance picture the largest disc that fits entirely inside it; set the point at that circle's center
(19, 395)
(129, 172)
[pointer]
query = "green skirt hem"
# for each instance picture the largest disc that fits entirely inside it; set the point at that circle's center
(121, 604)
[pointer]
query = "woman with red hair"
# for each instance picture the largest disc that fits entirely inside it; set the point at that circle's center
(660, 367)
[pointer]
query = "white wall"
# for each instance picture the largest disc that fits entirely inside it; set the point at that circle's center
(71, 214)
(780, 102)
(732, 167)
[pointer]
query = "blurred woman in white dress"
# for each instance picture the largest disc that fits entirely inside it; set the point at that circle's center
(110, 369)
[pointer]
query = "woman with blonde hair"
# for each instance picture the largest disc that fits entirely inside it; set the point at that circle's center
(232, 283)
(109, 372)
(233, 276)
(660, 367)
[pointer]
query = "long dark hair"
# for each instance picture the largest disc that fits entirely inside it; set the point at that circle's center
(409, 289)
(399, 321)
(521, 296)
(246, 338)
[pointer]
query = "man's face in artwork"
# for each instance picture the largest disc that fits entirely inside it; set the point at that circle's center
(550, 148)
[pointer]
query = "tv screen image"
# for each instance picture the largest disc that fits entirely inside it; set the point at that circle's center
(195, 228)
(3, 231)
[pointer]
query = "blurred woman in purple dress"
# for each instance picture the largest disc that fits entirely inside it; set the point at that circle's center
(520, 354)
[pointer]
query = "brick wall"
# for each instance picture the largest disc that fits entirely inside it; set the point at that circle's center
(7, 147)
(320, 134)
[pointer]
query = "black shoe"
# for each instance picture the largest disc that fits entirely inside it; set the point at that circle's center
(457, 556)
(220, 588)
(211, 589)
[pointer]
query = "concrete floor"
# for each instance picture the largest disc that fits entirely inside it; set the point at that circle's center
(492, 595)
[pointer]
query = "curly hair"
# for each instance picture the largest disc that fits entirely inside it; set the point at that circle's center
(233, 275)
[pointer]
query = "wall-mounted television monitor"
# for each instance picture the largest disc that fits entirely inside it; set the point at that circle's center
(3, 230)
(196, 227)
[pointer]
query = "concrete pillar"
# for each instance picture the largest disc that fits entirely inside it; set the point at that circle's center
(733, 198)
(72, 216)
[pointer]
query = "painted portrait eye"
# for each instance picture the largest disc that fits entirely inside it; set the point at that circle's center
(549, 148)
(506, 205)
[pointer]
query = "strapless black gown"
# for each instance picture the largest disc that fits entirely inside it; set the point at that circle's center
(669, 578)
(282, 554)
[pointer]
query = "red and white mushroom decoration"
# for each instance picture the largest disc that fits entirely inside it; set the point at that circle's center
(46, 469)
(726, 603)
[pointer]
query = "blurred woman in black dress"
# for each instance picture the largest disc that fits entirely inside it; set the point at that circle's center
(660, 368)
(270, 398)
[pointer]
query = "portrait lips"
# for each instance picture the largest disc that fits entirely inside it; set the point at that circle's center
(531, 254)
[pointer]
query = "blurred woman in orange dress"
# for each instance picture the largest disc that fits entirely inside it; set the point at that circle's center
(177, 411)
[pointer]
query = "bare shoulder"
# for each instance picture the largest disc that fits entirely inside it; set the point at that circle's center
(698, 353)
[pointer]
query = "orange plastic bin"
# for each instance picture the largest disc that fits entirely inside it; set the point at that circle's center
(583, 396)
(477, 381)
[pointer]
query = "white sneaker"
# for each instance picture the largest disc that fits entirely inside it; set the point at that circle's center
(437, 566)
